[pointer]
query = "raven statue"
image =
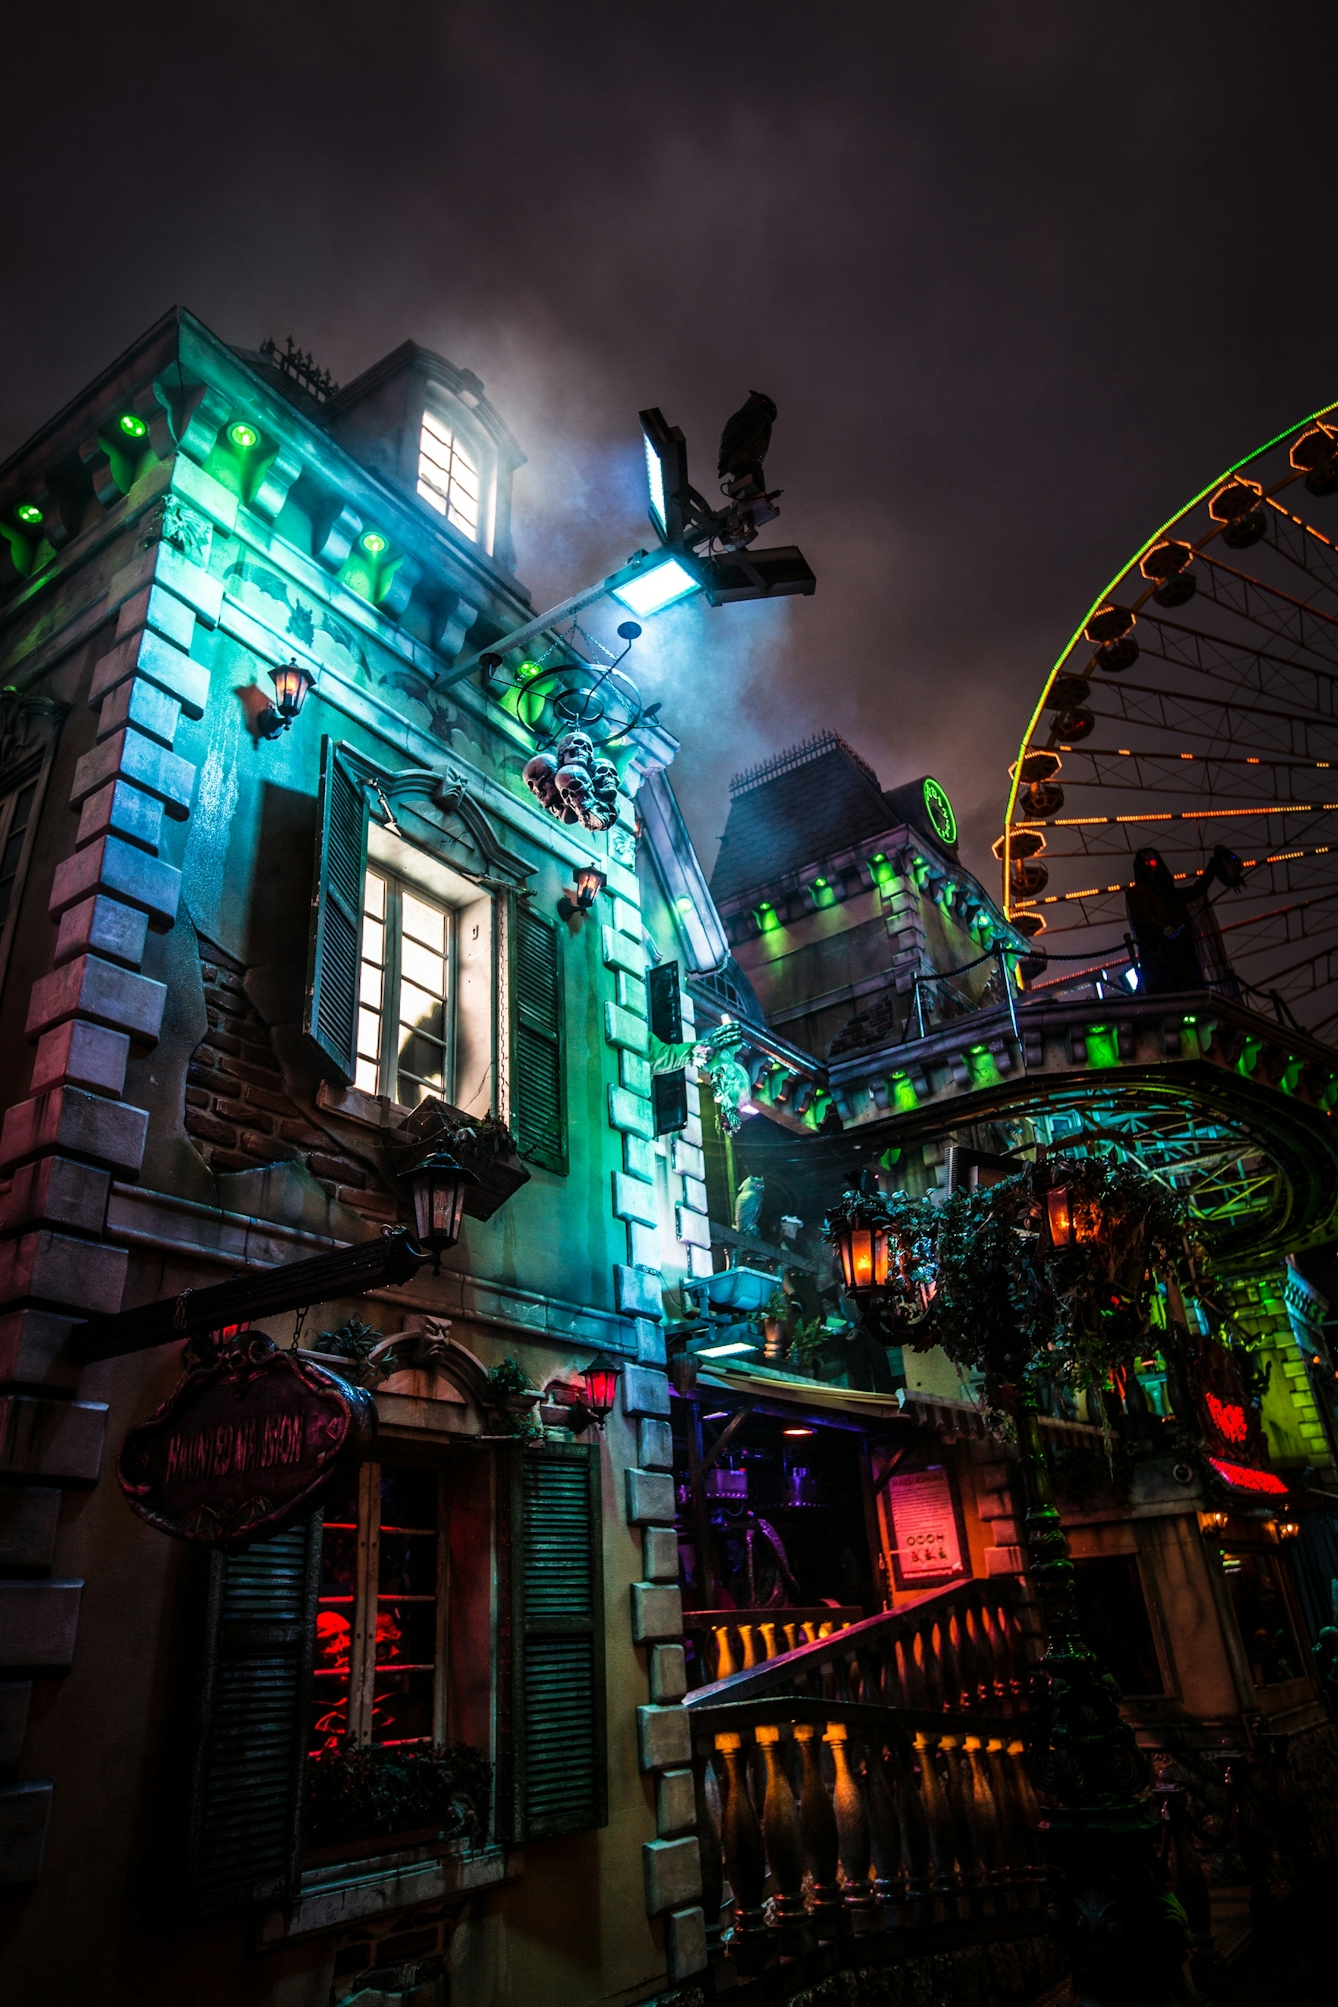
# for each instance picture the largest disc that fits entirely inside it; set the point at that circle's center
(744, 442)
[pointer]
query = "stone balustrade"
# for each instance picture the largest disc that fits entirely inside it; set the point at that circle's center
(819, 1820)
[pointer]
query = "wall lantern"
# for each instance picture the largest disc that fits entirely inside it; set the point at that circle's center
(1287, 1529)
(590, 882)
(438, 1183)
(291, 684)
(1214, 1522)
(601, 1387)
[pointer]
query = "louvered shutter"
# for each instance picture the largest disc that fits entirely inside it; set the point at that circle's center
(561, 1766)
(331, 1019)
(540, 1113)
(246, 1788)
(666, 1003)
(669, 1101)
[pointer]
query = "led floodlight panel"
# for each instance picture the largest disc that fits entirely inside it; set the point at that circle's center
(655, 589)
(666, 473)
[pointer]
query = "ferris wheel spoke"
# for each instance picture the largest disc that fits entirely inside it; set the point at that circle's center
(1269, 608)
(1302, 545)
(1227, 659)
(1156, 711)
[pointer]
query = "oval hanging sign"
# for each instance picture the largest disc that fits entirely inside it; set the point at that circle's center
(244, 1444)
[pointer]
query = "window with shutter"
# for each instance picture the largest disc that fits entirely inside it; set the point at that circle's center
(336, 908)
(538, 1093)
(559, 1736)
(243, 1843)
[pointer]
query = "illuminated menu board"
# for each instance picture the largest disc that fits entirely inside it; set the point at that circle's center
(924, 1526)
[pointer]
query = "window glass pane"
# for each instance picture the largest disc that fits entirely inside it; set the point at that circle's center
(406, 1609)
(368, 1076)
(424, 923)
(374, 896)
(369, 1034)
(334, 1618)
(432, 497)
(425, 968)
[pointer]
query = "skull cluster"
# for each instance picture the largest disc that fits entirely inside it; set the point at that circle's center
(573, 785)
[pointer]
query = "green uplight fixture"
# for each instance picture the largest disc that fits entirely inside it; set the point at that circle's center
(527, 672)
(939, 810)
(132, 425)
(373, 543)
(27, 513)
(243, 436)
(820, 883)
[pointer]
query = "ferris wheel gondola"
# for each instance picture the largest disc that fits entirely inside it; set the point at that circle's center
(1195, 713)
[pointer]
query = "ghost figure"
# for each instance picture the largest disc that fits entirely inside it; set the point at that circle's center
(540, 779)
(748, 1205)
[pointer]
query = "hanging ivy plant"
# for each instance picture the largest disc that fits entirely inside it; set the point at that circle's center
(1005, 1298)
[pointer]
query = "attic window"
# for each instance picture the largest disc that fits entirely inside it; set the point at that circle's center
(448, 480)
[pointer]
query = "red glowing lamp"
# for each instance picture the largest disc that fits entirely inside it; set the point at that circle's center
(601, 1387)
(1242, 1477)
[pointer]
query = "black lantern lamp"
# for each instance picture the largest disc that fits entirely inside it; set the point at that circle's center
(590, 882)
(877, 1257)
(439, 1183)
(291, 684)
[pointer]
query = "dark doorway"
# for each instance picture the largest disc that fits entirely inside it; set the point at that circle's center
(1113, 1617)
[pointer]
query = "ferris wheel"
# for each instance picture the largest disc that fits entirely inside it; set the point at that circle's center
(1195, 712)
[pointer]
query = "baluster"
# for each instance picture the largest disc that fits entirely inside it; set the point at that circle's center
(1028, 1805)
(792, 1638)
(917, 1667)
(852, 1826)
(749, 1644)
(883, 1838)
(709, 1844)
(825, 1630)
(913, 1826)
(817, 1824)
(1017, 1674)
(745, 1859)
(1013, 1836)
(950, 1661)
(993, 1667)
(724, 1653)
(957, 1789)
(769, 1645)
(784, 1840)
(985, 1823)
(938, 1813)
(980, 1682)
(810, 1633)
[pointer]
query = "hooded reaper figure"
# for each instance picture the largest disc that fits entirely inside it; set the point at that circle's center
(1166, 919)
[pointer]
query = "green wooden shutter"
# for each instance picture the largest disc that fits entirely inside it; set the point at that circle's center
(669, 1101)
(331, 1019)
(559, 1734)
(246, 1789)
(539, 1096)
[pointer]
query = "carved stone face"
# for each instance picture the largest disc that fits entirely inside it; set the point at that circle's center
(540, 779)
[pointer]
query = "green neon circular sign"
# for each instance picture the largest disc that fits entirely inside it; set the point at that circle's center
(939, 810)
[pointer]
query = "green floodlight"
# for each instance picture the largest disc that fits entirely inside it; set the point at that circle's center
(373, 543)
(132, 425)
(27, 513)
(527, 671)
(243, 436)
(939, 810)
(651, 591)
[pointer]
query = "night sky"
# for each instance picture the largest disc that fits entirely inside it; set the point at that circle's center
(1020, 279)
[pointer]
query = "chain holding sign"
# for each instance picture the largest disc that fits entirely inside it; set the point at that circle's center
(248, 1440)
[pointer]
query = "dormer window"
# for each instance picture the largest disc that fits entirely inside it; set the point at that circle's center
(448, 476)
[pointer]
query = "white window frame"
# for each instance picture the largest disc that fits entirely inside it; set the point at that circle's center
(442, 416)
(472, 1038)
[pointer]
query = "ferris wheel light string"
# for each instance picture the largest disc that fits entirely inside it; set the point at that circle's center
(1156, 537)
